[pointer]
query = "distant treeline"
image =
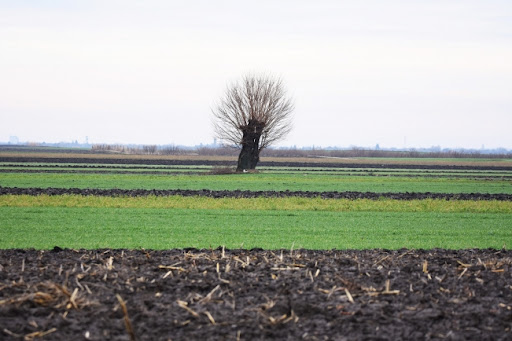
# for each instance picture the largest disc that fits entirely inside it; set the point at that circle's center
(293, 152)
(356, 152)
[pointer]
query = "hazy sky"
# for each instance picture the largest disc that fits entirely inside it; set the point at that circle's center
(413, 72)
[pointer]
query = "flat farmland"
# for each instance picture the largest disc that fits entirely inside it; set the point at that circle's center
(181, 248)
(287, 176)
(176, 202)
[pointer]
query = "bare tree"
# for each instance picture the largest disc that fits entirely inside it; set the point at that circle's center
(252, 115)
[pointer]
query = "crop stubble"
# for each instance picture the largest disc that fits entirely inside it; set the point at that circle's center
(255, 294)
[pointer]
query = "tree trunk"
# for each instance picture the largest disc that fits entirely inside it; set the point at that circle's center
(250, 153)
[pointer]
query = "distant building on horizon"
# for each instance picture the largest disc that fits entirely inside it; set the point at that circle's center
(14, 140)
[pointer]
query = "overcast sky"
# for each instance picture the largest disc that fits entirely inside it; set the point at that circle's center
(408, 73)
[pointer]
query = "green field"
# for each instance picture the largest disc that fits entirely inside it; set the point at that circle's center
(74, 221)
(44, 228)
(295, 181)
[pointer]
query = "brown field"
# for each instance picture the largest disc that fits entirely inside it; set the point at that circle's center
(255, 295)
(54, 157)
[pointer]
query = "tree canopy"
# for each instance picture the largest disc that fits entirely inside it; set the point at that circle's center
(253, 114)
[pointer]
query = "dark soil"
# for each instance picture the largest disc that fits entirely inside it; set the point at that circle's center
(255, 295)
(253, 194)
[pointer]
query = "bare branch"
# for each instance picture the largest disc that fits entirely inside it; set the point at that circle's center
(259, 99)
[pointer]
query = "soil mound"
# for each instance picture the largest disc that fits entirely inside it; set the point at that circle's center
(253, 194)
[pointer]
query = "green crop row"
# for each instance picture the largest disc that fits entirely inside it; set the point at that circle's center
(258, 182)
(154, 228)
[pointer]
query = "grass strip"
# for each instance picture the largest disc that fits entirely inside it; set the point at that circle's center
(270, 204)
(91, 228)
(258, 182)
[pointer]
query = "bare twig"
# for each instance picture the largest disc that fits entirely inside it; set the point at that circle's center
(208, 297)
(463, 273)
(287, 268)
(170, 267)
(210, 317)
(349, 296)
(8, 332)
(39, 334)
(127, 322)
(387, 290)
(184, 305)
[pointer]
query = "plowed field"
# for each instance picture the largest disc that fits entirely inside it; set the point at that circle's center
(253, 194)
(255, 294)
